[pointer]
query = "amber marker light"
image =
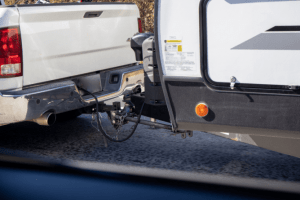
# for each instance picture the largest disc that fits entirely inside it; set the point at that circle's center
(201, 110)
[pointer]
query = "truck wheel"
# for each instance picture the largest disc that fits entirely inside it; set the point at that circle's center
(68, 115)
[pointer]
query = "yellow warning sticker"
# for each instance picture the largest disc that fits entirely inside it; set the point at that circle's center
(173, 41)
(179, 48)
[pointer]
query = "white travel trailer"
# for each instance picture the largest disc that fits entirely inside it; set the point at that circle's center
(240, 59)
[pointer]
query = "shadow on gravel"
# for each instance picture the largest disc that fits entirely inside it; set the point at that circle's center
(155, 148)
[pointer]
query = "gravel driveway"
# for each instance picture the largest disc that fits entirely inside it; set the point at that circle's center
(153, 148)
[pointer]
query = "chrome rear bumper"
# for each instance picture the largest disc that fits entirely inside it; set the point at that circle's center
(29, 104)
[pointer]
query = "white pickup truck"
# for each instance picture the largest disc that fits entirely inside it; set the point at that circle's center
(49, 51)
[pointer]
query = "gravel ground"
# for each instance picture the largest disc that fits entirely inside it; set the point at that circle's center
(153, 148)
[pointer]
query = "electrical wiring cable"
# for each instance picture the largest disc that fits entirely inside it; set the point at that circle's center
(100, 128)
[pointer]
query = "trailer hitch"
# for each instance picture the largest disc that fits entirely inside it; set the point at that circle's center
(164, 126)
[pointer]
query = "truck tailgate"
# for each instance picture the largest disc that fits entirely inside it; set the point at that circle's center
(63, 40)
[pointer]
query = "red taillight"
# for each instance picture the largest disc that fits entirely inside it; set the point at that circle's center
(140, 25)
(10, 53)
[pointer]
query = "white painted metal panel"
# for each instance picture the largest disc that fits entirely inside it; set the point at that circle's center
(9, 16)
(179, 19)
(59, 42)
(11, 83)
(240, 45)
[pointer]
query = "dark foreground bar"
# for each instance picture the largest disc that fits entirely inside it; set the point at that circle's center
(22, 178)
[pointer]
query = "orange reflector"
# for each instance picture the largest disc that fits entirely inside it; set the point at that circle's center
(201, 110)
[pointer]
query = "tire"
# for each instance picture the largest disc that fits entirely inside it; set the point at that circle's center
(68, 115)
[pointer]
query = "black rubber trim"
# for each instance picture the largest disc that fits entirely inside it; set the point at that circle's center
(225, 87)
(183, 79)
(284, 28)
(92, 14)
(163, 84)
(258, 114)
(69, 4)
